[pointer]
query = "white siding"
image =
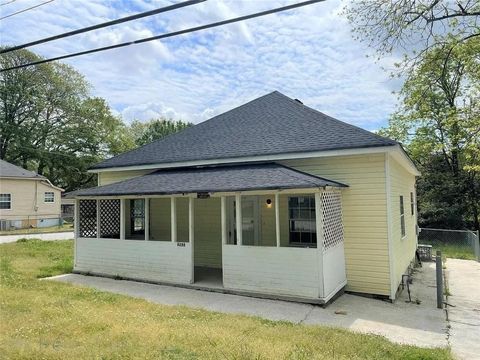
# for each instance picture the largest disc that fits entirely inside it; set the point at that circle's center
(147, 260)
(272, 270)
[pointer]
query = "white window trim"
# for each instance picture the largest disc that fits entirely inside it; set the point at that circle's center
(403, 231)
(11, 202)
(300, 244)
(45, 197)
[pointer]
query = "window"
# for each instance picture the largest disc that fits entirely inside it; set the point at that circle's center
(6, 201)
(301, 213)
(49, 197)
(412, 204)
(402, 217)
(137, 216)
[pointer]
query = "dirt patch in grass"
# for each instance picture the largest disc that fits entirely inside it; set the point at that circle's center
(50, 320)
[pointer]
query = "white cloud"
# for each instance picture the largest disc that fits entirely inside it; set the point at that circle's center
(307, 53)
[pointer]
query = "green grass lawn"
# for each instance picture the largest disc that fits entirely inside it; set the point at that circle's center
(41, 230)
(455, 251)
(49, 320)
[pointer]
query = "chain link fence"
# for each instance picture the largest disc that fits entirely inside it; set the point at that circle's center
(36, 224)
(459, 244)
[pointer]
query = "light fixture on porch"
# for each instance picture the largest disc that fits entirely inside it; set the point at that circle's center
(268, 202)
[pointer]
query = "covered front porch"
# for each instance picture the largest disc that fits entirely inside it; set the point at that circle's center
(262, 230)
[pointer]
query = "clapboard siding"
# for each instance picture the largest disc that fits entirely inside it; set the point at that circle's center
(272, 270)
(208, 234)
(402, 183)
(110, 177)
(147, 260)
(364, 216)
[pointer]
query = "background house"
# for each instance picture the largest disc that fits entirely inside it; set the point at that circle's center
(322, 205)
(27, 199)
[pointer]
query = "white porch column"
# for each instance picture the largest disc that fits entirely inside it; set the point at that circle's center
(277, 218)
(147, 218)
(224, 219)
(76, 218)
(173, 213)
(98, 218)
(191, 221)
(238, 218)
(319, 220)
(122, 219)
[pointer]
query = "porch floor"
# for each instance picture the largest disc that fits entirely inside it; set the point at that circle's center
(208, 277)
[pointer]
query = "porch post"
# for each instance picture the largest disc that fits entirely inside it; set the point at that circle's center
(122, 219)
(76, 218)
(277, 218)
(173, 213)
(319, 220)
(224, 219)
(147, 218)
(98, 218)
(191, 222)
(238, 218)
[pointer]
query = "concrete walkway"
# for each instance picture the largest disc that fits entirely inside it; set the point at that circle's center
(464, 314)
(417, 324)
(42, 236)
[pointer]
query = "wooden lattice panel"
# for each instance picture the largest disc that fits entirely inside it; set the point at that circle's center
(88, 218)
(332, 219)
(110, 219)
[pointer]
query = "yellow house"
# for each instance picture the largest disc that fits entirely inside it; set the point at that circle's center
(272, 198)
(27, 199)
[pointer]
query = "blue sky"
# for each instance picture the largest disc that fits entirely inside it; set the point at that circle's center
(306, 53)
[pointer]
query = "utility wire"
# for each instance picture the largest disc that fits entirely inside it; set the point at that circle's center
(167, 35)
(8, 2)
(105, 24)
(27, 9)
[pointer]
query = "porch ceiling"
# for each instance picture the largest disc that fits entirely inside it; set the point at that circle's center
(233, 178)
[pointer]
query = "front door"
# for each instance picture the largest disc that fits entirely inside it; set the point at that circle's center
(250, 221)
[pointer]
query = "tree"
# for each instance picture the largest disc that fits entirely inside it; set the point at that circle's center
(51, 125)
(439, 122)
(155, 129)
(413, 25)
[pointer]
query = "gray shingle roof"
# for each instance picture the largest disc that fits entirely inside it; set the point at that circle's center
(10, 170)
(271, 124)
(211, 179)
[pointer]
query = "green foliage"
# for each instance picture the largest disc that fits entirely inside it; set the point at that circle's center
(50, 124)
(155, 129)
(439, 123)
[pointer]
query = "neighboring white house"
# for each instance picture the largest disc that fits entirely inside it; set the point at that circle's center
(27, 199)
(272, 198)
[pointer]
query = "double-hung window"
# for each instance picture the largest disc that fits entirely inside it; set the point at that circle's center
(412, 204)
(137, 216)
(5, 201)
(49, 197)
(402, 216)
(301, 213)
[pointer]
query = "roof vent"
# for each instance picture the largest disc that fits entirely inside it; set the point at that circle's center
(299, 101)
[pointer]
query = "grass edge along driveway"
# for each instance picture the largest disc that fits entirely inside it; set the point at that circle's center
(51, 320)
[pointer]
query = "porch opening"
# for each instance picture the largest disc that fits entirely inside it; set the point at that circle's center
(207, 257)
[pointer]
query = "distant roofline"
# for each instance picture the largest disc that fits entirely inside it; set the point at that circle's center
(277, 157)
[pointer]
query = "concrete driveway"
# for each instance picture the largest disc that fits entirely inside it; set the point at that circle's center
(464, 313)
(410, 323)
(67, 235)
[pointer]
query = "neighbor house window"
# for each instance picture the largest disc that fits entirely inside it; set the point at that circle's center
(301, 213)
(49, 197)
(137, 216)
(412, 204)
(402, 217)
(5, 201)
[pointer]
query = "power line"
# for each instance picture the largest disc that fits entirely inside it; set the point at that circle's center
(27, 9)
(167, 35)
(105, 24)
(8, 2)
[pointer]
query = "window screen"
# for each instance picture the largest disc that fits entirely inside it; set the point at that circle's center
(5, 201)
(301, 210)
(402, 216)
(49, 197)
